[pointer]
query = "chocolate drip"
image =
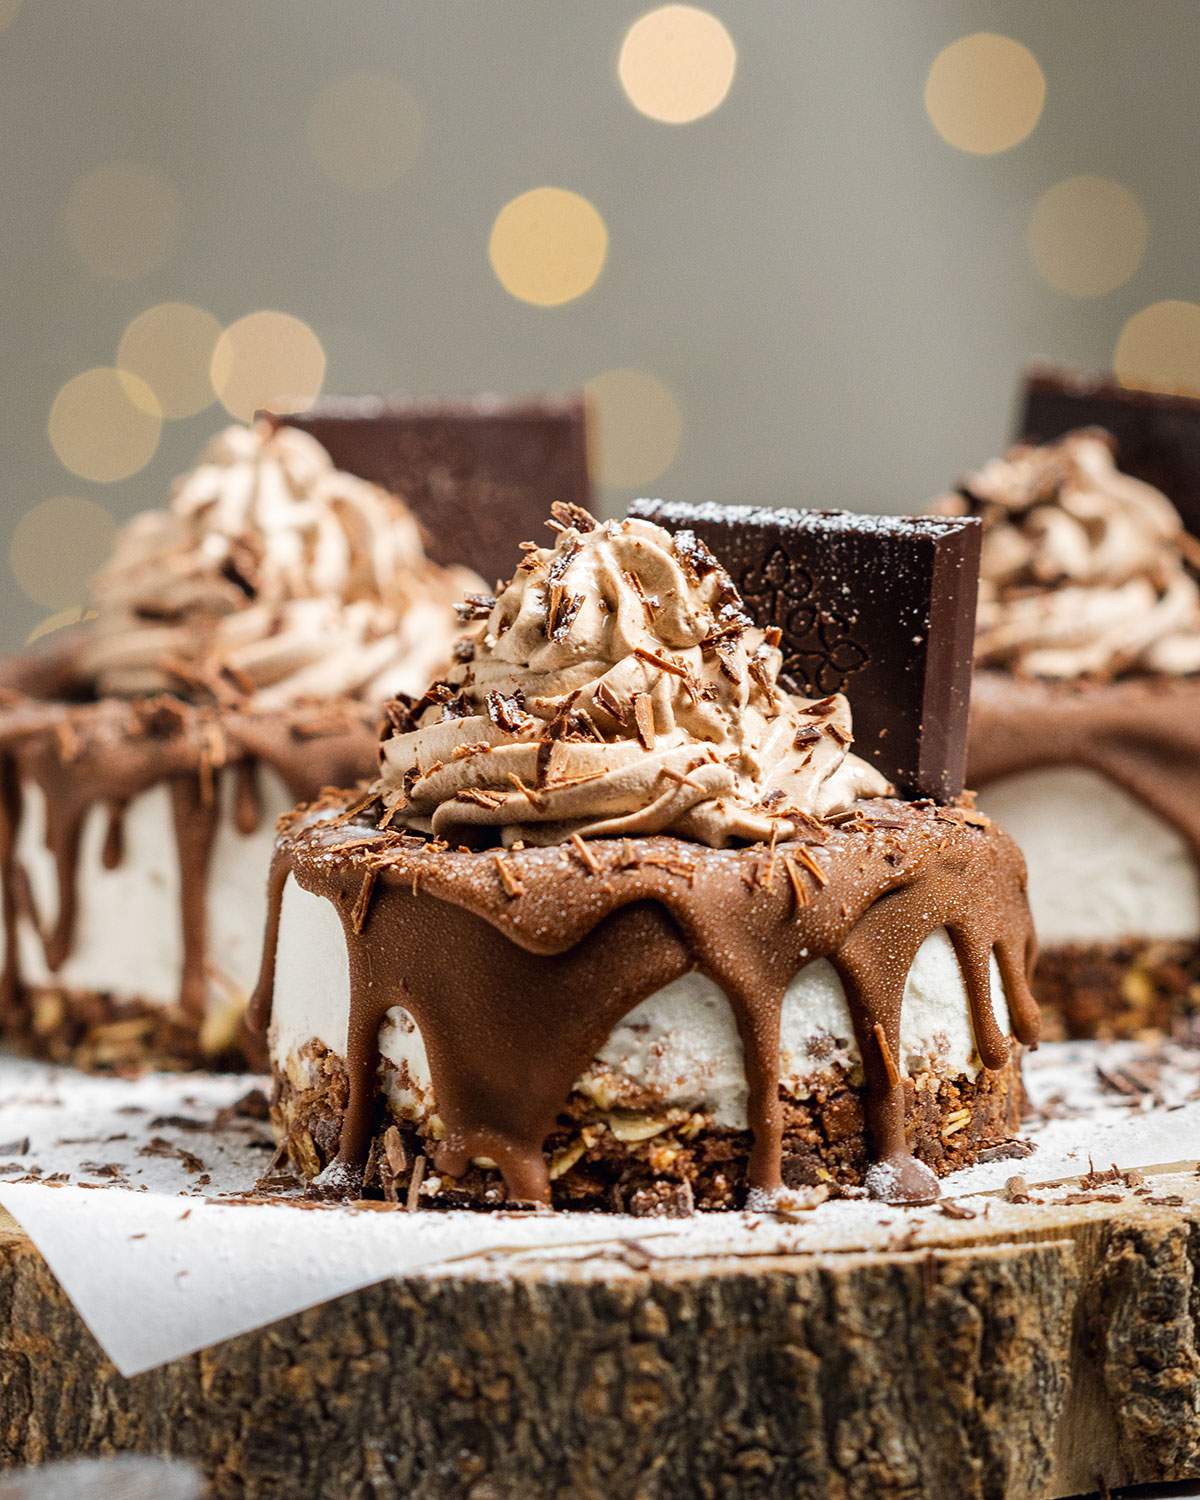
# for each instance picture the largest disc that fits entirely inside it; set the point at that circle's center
(1142, 733)
(114, 836)
(247, 797)
(517, 966)
(107, 753)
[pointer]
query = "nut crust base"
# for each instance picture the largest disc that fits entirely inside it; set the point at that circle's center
(669, 1163)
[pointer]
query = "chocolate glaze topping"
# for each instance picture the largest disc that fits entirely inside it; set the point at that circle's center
(517, 964)
(104, 754)
(1141, 732)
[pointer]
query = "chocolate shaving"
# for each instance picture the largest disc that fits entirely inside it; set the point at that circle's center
(509, 879)
(573, 516)
(643, 717)
(475, 607)
(507, 712)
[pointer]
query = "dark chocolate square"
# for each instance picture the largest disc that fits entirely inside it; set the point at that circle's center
(881, 608)
(479, 475)
(1157, 433)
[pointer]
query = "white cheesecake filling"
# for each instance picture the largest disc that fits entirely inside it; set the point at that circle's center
(128, 938)
(679, 1046)
(1103, 867)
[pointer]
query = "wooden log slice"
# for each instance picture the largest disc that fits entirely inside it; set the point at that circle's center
(1044, 1350)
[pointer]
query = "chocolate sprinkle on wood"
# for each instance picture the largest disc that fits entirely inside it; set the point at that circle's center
(881, 608)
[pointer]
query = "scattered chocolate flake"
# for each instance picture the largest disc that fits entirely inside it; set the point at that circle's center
(19, 1147)
(414, 1185)
(643, 718)
(885, 1052)
(509, 879)
(570, 515)
(475, 607)
(663, 663)
(561, 610)
(586, 857)
(815, 869)
(1016, 1190)
(693, 556)
(953, 1209)
(1006, 1151)
(507, 712)
(158, 1146)
(362, 904)
(800, 894)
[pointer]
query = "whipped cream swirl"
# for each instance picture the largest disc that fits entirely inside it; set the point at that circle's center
(271, 578)
(618, 686)
(1086, 571)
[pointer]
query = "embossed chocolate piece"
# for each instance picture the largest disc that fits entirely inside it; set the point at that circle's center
(480, 475)
(1157, 433)
(881, 608)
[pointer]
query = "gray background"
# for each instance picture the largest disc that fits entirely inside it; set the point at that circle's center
(839, 301)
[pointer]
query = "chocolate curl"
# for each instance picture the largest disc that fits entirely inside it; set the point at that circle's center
(1157, 433)
(480, 476)
(881, 608)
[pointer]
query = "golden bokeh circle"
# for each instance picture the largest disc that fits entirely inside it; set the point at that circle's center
(122, 219)
(548, 246)
(984, 93)
(8, 12)
(74, 614)
(364, 130)
(267, 359)
(56, 548)
(170, 347)
(1159, 347)
(104, 425)
(1087, 235)
(634, 427)
(677, 63)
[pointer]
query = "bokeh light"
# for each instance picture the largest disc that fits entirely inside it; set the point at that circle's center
(8, 12)
(1159, 347)
(677, 64)
(267, 359)
(170, 348)
(1087, 235)
(122, 219)
(104, 425)
(984, 93)
(74, 614)
(56, 548)
(548, 246)
(634, 428)
(364, 131)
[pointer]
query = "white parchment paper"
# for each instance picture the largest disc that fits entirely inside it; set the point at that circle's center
(127, 1188)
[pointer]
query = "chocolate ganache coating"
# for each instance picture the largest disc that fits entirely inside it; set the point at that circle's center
(260, 619)
(1089, 626)
(616, 707)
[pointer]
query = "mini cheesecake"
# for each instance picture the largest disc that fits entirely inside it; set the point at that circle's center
(245, 639)
(623, 924)
(1085, 726)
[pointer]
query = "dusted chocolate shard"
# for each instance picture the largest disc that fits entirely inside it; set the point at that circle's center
(1157, 433)
(881, 608)
(480, 475)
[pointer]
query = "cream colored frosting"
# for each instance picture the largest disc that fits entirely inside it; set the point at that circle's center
(619, 687)
(272, 576)
(1085, 570)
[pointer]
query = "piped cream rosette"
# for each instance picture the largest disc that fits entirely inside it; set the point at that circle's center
(618, 687)
(1085, 570)
(273, 576)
